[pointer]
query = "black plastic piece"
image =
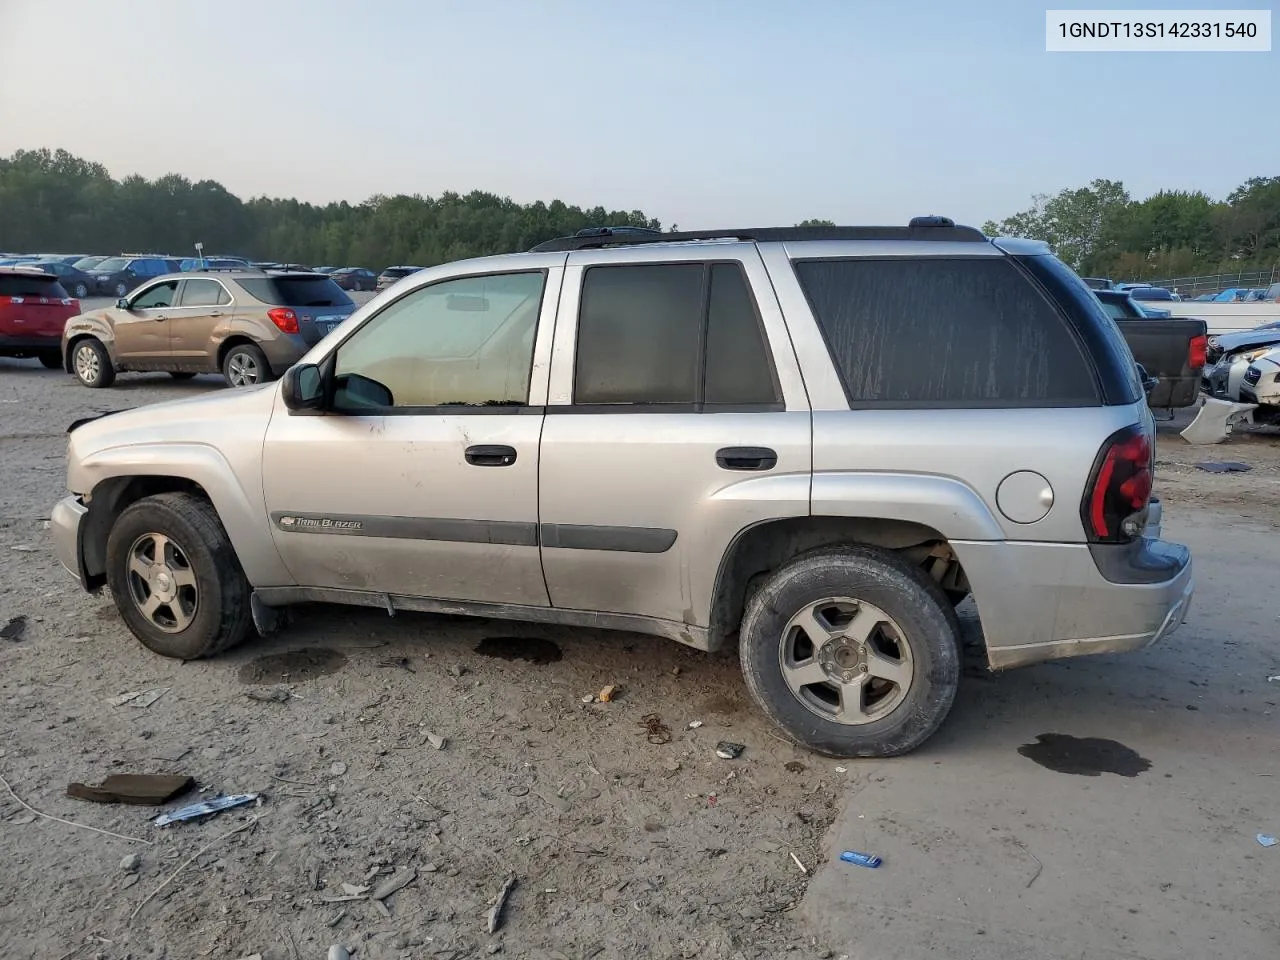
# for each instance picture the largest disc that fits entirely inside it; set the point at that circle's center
(491, 455)
(937, 228)
(1140, 561)
(572, 536)
(746, 458)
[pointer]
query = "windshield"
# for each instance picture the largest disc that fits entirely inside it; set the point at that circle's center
(88, 263)
(112, 265)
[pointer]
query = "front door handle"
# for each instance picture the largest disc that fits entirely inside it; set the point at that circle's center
(159, 318)
(746, 458)
(491, 455)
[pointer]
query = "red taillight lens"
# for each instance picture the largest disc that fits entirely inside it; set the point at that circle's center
(284, 318)
(1197, 352)
(1120, 486)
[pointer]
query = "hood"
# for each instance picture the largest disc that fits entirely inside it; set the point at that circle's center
(1257, 337)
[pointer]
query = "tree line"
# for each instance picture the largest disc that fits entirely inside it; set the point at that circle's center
(1100, 230)
(52, 201)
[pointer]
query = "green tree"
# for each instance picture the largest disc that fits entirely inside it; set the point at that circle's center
(816, 223)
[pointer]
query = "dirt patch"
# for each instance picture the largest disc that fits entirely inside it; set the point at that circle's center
(292, 666)
(529, 649)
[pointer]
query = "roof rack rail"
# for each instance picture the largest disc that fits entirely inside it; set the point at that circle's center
(920, 228)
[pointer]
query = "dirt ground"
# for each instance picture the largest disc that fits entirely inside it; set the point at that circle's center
(628, 836)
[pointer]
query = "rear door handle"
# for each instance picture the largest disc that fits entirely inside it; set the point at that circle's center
(491, 455)
(746, 458)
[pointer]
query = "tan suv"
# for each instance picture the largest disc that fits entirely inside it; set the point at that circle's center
(250, 325)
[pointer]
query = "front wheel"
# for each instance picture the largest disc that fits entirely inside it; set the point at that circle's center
(175, 577)
(121, 289)
(80, 291)
(92, 364)
(244, 365)
(853, 652)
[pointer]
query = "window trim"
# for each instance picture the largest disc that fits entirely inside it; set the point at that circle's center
(330, 359)
(699, 404)
(182, 294)
(1039, 291)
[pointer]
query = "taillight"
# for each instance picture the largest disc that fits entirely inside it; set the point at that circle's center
(1198, 352)
(284, 318)
(1119, 488)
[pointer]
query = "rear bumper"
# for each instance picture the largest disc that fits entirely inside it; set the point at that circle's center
(285, 350)
(1045, 601)
(52, 341)
(65, 524)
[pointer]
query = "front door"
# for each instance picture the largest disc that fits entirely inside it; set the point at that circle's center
(203, 305)
(676, 419)
(142, 329)
(421, 477)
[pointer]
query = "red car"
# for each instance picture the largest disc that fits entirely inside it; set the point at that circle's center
(33, 310)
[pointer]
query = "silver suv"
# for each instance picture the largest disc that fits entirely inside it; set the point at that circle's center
(813, 442)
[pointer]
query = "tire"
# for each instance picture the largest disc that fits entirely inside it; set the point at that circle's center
(245, 364)
(914, 639)
(203, 592)
(121, 289)
(91, 364)
(52, 359)
(181, 374)
(80, 291)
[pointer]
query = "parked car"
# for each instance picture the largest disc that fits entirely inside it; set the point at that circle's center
(1229, 356)
(88, 263)
(16, 261)
(1272, 293)
(265, 265)
(1171, 350)
(116, 276)
(1262, 386)
(324, 269)
(355, 278)
(213, 263)
(1098, 283)
(62, 257)
(814, 442)
(76, 281)
(1150, 293)
(393, 275)
(247, 324)
(33, 310)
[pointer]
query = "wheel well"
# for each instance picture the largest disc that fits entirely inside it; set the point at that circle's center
(230, 342)
(71, 346)
(109, 500)
(759, 550)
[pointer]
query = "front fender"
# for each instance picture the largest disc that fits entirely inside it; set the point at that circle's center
(243, 515)
(952, 508)
(88, 325)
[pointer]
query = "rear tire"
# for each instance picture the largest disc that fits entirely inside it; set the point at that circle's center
(852, 651)
(80, 291)
(245, 365)
(121, 289)
(175, 577)
(92, 364)
(51, 359)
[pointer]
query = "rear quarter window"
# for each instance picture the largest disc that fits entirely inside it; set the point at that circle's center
(297, 291)
(16, 285)
(947, 332)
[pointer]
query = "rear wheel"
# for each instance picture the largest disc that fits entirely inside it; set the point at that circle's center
(52, 359)
(175, 577)
(80, 291)
(244, 365)
(121, 289)
(92, 364)
(853, 652)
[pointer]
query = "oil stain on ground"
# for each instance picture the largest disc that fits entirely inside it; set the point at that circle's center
(532, 649)
(1084, 756)
(293, 666)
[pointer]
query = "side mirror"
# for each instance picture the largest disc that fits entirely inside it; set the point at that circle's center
(302, 387)
(122, 303)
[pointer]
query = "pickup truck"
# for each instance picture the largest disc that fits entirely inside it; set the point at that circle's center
(1171, 349)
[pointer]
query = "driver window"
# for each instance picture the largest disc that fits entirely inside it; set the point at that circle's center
(161, 295)
(464, 342)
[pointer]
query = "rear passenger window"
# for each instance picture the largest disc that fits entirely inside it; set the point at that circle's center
(953, 332)
(676, 333)
(204, 293)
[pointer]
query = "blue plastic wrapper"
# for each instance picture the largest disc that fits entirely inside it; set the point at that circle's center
(204, 808)
(861, 859)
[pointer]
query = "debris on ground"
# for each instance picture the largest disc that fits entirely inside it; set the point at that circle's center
(655, 730)
(402, 663)
(793, 766)
(1223, 466)
(861, 859)
(729, 751)
(842, 769)
(398, 880)
(1266, 840)
(803, 868)
(337, 769)
(1214, 421)
(15, 628)
(456, 669)
(204, 808)
(130, 863)
(138, 698)
(495, 912)
(434, 739)
(338, 952)
(694, 724)
(274, 695)
(608, 693)
(151, 789)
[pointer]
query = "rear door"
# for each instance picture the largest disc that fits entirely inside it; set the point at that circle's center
(142, 329)
(203, 305)
(676, 419)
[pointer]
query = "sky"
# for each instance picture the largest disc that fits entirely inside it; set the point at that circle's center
(702, 113)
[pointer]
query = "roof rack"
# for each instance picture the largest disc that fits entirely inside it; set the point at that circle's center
(920, 228)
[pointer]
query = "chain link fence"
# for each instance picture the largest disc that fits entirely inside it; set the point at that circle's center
(1191, 287)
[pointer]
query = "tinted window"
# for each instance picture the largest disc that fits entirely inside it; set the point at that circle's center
(18, 285)
(297, 291)
(203, 293)
(638, 333)
(738, 367)
(944, 331)
(161, 295)
(465, 342)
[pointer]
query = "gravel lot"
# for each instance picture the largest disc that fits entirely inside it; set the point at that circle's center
(623, 847)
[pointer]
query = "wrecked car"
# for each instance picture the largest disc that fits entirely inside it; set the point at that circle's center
(1228, 358)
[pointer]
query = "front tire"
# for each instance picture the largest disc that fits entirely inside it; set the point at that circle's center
(175, 577)
(121, 289)
(245, 365)
(853, 652)
(92, 364)
(80, 291)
